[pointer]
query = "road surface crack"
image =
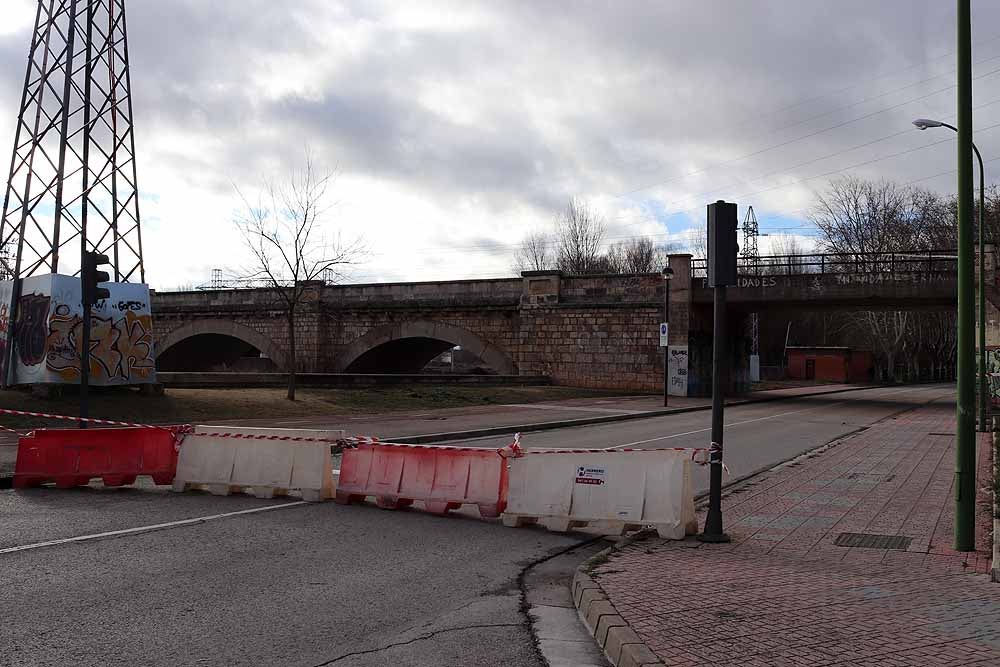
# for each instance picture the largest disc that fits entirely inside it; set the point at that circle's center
(419, 638)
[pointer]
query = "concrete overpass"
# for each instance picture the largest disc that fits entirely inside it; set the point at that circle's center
(591, 331)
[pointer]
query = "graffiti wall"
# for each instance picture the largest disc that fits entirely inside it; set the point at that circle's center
(48, 333)
(677, 370)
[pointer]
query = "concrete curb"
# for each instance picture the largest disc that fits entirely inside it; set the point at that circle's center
(590, 421)
(995, 570)
(620, 643)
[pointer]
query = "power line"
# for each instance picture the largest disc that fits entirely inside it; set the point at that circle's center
(805, 136)
(908, 131)
(855, 85)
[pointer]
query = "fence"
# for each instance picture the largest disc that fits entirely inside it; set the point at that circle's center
(916, 261)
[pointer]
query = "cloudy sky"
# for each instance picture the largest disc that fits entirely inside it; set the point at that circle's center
(457, 127)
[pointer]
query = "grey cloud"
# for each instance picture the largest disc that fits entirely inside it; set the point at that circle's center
(575, 98)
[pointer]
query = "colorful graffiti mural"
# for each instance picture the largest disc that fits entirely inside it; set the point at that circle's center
(120, 349)
(48, 333)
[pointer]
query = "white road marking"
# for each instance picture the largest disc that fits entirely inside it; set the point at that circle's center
(758, 419)
(578, 408)
(147, 529)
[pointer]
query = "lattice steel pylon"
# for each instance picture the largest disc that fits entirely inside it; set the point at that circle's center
(73, 183)
(751, 255)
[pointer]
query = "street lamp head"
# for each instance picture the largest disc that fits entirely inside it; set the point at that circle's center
(924, 123)
(667, 273)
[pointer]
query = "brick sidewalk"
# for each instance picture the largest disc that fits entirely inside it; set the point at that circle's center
(784, 594)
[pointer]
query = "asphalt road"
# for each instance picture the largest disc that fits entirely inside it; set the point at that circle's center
(757, 436)
(326, 584)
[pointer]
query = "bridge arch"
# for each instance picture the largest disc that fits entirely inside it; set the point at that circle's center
(406, 347)
(228, 328)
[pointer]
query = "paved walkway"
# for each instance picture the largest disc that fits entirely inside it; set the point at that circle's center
(783, 593)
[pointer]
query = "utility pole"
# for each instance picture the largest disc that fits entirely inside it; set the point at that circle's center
(965, 445)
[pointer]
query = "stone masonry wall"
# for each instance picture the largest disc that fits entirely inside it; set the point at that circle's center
(590, 331)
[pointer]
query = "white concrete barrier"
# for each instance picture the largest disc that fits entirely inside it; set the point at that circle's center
(611, 490)
(269, 461)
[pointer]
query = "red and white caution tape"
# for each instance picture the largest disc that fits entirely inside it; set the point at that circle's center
(10, 430)
(89, 420)
(699, 455)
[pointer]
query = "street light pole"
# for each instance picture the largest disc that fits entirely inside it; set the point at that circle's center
(923, 124)
(965, 445)
(667, 274)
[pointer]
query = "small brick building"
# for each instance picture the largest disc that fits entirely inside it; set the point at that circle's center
(830, 364)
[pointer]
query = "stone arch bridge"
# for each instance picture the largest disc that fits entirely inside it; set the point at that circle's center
(590, 331)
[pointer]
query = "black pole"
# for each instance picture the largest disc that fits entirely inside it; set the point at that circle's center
(666, 350)
(713, 522)
(85, 363)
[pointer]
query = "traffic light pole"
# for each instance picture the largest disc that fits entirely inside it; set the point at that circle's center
(713, 522)
(722, 271)
(666, 350)
(85, 364)
(90, 294)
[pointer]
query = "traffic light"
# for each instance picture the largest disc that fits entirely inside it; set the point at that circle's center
(722, 246)
(90, 277)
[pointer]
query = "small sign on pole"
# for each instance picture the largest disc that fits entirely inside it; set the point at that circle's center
(664, 328)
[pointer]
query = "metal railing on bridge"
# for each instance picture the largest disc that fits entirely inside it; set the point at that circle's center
(915, 261)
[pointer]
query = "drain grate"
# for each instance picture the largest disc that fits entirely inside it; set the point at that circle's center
(865, 541)
(875, 477)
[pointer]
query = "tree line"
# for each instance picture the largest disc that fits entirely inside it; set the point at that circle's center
(856, 219)
(575, 245)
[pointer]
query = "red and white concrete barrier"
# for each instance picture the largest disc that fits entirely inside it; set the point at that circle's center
(442, 478)
(116, 456)
(613, 490)
(267, 461)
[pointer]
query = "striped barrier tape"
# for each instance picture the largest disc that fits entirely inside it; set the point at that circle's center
(89, 420)
(345, 442)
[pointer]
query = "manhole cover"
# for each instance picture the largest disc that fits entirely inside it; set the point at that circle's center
(865, 541)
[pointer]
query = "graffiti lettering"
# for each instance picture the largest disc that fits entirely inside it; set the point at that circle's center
(29, 330)
(130, 305)
(135, 346)
(763, 281)
(118, 348)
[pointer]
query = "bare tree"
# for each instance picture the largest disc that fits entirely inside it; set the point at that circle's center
(579, 234)
(789, 254)
(284, 231)
(535, 253)
(699, 242)
(637, 255)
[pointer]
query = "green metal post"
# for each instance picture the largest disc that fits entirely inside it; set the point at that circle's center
(965, 445)
(983, 385)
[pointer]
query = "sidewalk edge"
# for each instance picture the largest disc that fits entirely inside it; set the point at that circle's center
(620, 643)
(429, 438)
